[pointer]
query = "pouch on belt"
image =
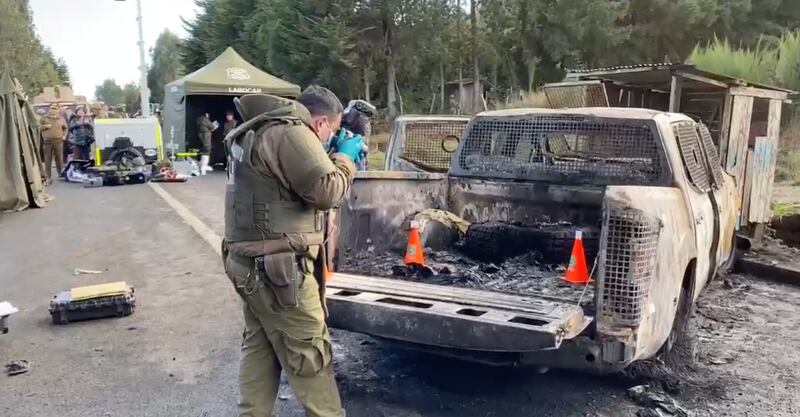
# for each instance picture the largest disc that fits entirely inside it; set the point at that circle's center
(280, 271)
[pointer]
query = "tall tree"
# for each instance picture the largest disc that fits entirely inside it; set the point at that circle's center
(22, 53)
(399, 54)
(166, 65)
(130, 98)
(110, 93)
(477, 98)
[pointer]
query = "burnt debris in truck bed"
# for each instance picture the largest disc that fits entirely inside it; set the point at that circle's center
(523, 274)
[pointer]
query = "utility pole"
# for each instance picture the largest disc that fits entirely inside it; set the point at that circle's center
(144, 92)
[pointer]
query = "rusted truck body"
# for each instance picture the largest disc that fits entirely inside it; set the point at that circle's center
(648, 183)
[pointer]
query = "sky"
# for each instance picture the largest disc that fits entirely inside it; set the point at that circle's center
(98, 38)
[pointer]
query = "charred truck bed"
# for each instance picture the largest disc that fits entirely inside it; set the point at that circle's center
(499, 289)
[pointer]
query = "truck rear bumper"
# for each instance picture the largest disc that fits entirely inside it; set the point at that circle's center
(451, 317)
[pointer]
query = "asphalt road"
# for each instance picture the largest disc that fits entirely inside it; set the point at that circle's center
(178, 354)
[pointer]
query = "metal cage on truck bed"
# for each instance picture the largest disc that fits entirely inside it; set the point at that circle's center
(569, 149)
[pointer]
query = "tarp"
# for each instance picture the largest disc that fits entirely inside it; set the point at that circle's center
(228, 75)
(20, 144)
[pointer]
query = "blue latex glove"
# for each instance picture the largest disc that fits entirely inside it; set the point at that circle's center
(350, 146)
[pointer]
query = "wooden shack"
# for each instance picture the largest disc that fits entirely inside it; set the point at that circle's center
(743, 117)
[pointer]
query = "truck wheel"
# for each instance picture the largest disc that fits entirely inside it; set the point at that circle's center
(679, 348)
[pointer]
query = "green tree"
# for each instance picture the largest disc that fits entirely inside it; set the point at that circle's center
(166, 65)
(401, 54)
(110, 93)
(22, 53)
(130, 98)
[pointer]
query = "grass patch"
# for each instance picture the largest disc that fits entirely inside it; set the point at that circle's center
(375, 160)
(781, 209)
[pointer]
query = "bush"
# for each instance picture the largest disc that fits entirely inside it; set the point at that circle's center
(756, 65)
(788, 164)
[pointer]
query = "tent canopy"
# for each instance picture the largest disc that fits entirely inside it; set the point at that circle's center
(230, 74)
(20, 175)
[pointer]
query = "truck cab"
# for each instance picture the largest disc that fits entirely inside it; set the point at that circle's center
(644, 187)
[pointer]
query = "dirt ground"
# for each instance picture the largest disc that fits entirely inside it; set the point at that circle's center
(177, 355)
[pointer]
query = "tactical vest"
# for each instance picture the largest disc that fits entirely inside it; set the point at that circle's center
(254, 207)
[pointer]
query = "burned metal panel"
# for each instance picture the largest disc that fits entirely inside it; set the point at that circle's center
(630, 243)
(576, 94)
(646, 244)
(711, 156)
(569, 149)
(728, 203)
(451, 317)
(424, 143)
(486, 201)
(692, 155)
(380, 202)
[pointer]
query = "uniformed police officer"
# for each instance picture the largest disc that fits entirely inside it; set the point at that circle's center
(280, 180)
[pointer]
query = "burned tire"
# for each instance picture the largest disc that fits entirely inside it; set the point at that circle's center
(676, 355)
(496, 242)
(679, 348)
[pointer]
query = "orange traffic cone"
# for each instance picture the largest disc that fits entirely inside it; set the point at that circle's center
(577, 272)
(414, 253)
(326, 274)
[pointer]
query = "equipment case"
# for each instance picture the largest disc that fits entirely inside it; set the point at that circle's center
(63, 309)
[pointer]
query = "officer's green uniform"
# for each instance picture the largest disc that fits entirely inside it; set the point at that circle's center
(204, 129)
(279, 181)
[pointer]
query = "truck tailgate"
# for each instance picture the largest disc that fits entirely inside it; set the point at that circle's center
(451, 317)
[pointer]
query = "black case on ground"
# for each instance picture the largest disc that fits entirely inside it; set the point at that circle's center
(63, 310)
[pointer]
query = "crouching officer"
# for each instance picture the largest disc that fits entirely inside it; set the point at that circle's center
(280, 180)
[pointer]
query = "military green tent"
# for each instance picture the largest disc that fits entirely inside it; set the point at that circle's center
(211, 90)
(20, 160)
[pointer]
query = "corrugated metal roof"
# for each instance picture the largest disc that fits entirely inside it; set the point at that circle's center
(620, 73)
(621, 67)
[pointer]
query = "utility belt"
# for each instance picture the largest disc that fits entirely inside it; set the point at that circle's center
(284, 273)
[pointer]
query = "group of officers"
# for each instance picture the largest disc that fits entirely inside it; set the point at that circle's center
(288, 163)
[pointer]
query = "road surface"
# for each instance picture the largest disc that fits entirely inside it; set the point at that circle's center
(178, 354)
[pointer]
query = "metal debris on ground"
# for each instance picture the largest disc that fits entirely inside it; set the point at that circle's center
(655, 401)
(79, 271)
(525, 274)
(17, 367)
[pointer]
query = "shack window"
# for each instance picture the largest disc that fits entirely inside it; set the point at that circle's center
(692, 155)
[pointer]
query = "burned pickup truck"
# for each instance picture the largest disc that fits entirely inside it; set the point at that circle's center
(645, 188)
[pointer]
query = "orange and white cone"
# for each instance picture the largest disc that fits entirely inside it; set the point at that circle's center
(577, 271)
(414, 252)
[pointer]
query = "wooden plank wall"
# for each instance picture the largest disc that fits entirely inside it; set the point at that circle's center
(766, 157)
(735, 160)
(747, 185)
(725, 128)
